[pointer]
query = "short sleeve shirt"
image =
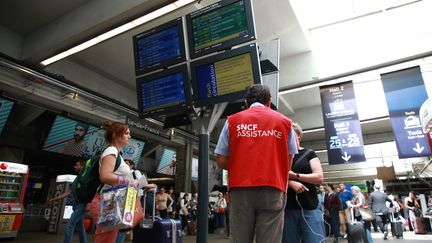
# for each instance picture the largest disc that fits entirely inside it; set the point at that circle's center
(222, 147)
(123, 170)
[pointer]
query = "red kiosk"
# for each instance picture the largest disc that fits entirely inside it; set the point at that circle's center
(13, 181)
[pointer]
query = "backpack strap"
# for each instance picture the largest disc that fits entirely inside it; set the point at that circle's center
(118, 161)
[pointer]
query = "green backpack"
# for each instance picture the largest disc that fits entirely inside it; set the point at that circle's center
(87, 182)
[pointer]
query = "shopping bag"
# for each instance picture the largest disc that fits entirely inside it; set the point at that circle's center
(117, 208)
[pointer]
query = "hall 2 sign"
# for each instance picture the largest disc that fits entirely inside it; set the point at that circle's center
(341, 123)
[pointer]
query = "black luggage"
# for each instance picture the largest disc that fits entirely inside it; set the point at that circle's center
(355, 231)
(156, 230)
(396, 227)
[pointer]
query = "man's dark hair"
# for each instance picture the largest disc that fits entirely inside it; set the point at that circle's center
(257, 93)
(331, 186)
(83, 125)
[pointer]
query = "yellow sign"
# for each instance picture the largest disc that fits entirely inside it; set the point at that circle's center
(234, 74)
(6, 222)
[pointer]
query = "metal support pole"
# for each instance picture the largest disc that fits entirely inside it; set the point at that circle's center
(202, 221)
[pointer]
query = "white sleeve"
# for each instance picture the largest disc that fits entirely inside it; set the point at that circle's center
(110, 150)
(137, 174)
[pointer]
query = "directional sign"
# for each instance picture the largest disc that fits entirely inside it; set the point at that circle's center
(405, 93)
(341, 123)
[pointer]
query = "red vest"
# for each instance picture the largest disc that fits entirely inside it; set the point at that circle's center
(258, 148)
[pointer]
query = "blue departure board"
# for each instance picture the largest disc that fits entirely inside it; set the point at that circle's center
(163, 91)
(167, 91)
(159, 47)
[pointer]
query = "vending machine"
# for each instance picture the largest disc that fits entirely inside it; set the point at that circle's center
(13, 181)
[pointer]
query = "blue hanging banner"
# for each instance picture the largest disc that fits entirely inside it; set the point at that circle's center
(405, 93)
(342, 127)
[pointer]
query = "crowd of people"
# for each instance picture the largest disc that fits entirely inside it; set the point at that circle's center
(276, 191)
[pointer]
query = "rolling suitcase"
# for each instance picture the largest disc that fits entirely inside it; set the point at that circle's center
(355, 231)
(156, 230)
(419, 226)
(396, 227)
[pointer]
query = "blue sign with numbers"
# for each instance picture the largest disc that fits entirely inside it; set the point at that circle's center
(405, 93)
(342, 127)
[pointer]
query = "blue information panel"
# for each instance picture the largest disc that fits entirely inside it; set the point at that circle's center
(341, 123)
(152, 50)
(163, 92)
(405, 93)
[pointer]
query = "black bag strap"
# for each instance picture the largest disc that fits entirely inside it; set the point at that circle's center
(296, 162)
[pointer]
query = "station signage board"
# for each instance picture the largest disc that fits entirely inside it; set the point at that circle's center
(405, 93)
(344, 139)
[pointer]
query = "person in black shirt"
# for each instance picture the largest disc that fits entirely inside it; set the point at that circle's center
(303, 220)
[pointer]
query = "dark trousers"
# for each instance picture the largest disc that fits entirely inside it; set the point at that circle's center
(382, 221)
(227, 221)
(335, 223)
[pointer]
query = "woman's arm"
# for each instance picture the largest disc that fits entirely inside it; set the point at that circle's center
(170, 200)
(316, 177)
(407, 200)
(361, 201)
(106, 171)
(107, 176)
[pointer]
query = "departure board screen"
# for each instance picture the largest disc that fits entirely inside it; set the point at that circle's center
(220, 25)
(159, 47)
(223, 77)
(227, 76)
(163, 92)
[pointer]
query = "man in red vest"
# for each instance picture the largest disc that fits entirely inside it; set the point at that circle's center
(256, 146)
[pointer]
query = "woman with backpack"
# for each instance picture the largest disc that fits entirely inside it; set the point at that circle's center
(117, 136)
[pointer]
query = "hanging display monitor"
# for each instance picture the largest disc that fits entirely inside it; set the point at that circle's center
(225, 77)
(164, 92)
(220, 26)
(159, 47)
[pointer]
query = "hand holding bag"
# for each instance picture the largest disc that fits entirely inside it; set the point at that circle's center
(366, 213)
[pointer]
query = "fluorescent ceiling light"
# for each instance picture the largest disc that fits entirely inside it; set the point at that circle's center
(313, 130)
(119, 30)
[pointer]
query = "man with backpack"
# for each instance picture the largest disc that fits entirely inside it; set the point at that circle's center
(77, 218)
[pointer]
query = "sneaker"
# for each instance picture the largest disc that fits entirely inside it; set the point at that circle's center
(344, 236)
(385, 235)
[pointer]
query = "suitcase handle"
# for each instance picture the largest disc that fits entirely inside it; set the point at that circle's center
(145, 223)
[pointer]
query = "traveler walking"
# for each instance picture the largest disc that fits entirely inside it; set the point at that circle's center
(333, 205)
(345, 215)
(76, 219)
(378, 201)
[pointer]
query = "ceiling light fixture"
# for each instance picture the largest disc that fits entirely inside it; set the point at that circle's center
(119, 30)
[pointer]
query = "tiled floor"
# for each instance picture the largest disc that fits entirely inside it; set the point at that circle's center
(409, 237)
